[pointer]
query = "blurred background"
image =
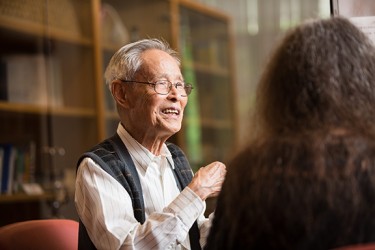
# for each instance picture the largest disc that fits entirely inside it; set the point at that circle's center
(257, 27)
(54, 104)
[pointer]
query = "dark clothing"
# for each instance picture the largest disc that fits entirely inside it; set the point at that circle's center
(113, 157)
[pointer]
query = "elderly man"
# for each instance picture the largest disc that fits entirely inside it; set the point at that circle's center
(135, 190)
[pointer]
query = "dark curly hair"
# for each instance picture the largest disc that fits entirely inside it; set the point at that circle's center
(322, 73)
(307, 191)
(307, 179)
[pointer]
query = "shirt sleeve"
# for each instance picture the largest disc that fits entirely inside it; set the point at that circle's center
(105, 209)
(204, 225)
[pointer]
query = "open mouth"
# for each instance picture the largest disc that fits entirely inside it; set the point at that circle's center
(171, 111)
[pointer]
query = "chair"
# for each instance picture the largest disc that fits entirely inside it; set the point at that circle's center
(57, 234)
(364, 246)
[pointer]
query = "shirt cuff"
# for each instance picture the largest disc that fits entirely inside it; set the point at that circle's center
(187, 206)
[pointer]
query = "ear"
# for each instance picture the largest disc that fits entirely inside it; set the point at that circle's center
(119, 93)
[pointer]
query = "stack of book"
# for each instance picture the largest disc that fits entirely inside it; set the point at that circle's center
(17, 167)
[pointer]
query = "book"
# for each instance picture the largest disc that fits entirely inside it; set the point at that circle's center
(1, 164)
(7, 167)
(32, 79)
(26, 79)
(19, 171)
(29, 160)
(54, 80)
(3, 81)
(12, 164)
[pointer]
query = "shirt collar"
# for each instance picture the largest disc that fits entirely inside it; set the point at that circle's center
(141, 156)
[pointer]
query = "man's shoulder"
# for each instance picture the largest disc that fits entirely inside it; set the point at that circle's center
(107, 146)
(178, 156)
(173, 148)
(103, 152)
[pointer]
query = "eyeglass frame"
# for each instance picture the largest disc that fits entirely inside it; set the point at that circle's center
(187, 86)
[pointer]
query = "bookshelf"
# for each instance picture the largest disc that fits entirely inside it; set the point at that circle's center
(63, 56)
(202, 36)
(48, 100)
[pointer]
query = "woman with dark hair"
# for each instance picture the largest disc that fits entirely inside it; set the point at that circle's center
(321, 74)
(307, 191)
(307, 178)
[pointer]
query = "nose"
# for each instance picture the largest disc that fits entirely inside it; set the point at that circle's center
(173, 89)
(173, 94)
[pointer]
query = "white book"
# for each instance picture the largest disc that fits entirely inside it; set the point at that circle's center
(26, 79)
(12, 163)
(34, 79)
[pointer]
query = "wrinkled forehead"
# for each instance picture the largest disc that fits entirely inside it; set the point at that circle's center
(157, 64)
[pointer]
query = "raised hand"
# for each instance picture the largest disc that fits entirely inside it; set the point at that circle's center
(208, 180)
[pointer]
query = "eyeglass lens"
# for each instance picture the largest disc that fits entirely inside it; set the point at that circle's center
(165, 88)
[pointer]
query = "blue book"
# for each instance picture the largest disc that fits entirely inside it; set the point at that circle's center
(8, 161)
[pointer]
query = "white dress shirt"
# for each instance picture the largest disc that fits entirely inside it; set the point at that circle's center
(105, 207)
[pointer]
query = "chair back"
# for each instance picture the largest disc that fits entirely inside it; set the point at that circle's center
(364, 246)
(57, 234)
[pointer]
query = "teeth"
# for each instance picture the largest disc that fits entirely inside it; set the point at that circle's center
(170, 111)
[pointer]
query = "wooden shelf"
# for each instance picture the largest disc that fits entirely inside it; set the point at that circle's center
(36, 29)
(64, 112)
(44, 110)
(24, 198)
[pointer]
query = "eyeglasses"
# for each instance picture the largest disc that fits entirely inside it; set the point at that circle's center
(163, 87)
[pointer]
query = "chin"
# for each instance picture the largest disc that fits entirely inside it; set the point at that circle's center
(174, 130)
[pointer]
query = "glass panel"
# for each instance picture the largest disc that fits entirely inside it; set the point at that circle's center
(209, 116)
(353, 8)
(360, 12)
(203, 41)
(126, 21)
(24, 92)
(73, 123)
(47, 95)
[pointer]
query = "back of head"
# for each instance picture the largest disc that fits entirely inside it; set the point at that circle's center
(321, 74)
(314, 191)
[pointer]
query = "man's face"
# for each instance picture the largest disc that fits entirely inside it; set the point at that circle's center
(152, 114)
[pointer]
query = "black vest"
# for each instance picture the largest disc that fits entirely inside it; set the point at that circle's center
(113, 157)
